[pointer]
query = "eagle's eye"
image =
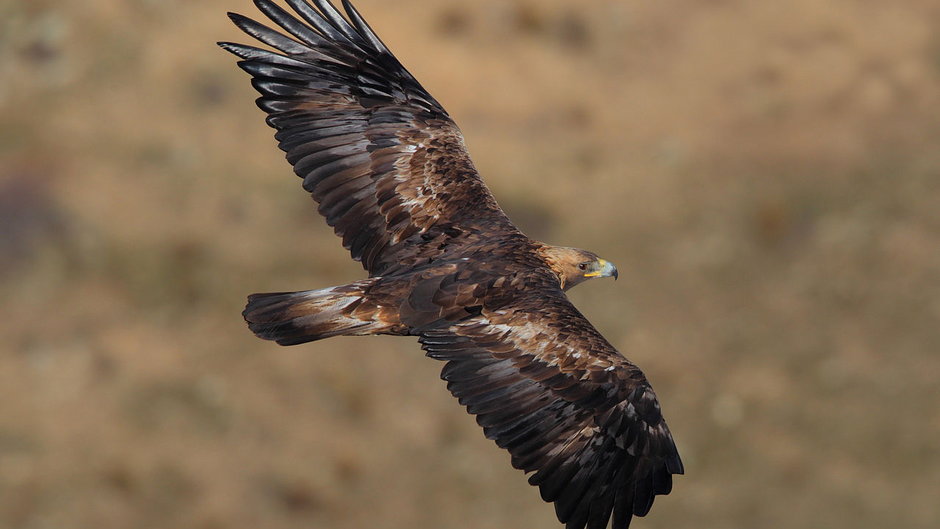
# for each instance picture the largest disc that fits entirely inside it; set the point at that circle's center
(583, 266)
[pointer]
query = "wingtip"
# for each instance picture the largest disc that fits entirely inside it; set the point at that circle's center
(233, 48)
(363, 29)
(675, 466)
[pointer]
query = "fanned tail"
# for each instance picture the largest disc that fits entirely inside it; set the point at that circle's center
(291, 318)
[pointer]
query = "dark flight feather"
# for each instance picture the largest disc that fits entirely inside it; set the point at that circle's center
(581, 439)
(345, 109)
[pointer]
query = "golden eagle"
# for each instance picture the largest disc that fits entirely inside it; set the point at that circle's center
(390, 172)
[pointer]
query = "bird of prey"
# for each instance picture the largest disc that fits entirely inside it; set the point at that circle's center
(391, 174)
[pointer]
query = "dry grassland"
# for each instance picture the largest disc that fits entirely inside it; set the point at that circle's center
(766, 175)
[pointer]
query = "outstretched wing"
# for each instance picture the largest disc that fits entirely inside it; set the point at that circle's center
(382, 158)
(545, 385)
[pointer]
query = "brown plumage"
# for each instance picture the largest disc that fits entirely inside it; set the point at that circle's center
(391, 174)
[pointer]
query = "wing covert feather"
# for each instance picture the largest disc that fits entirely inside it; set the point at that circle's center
(380, 155)
(569, 408)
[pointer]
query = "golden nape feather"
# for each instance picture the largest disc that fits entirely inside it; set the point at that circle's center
(390, 172)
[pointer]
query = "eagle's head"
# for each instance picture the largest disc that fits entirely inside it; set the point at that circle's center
(573, 266)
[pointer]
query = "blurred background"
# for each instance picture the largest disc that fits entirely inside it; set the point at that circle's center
(765, 175)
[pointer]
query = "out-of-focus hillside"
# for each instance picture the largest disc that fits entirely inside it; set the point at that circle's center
(766, 176)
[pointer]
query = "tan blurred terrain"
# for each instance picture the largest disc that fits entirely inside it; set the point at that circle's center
(765, 175)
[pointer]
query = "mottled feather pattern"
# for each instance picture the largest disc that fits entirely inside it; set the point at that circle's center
(588, 426)
(375, 150)
(292, 318)
(391, 174)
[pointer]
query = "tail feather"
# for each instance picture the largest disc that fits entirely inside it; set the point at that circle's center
(291, 318)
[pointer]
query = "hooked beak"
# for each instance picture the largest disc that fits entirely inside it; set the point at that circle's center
(604, 269)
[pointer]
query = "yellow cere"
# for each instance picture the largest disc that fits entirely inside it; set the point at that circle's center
(596, 273)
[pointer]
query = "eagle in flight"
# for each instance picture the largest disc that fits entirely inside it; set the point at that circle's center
(391, 174)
